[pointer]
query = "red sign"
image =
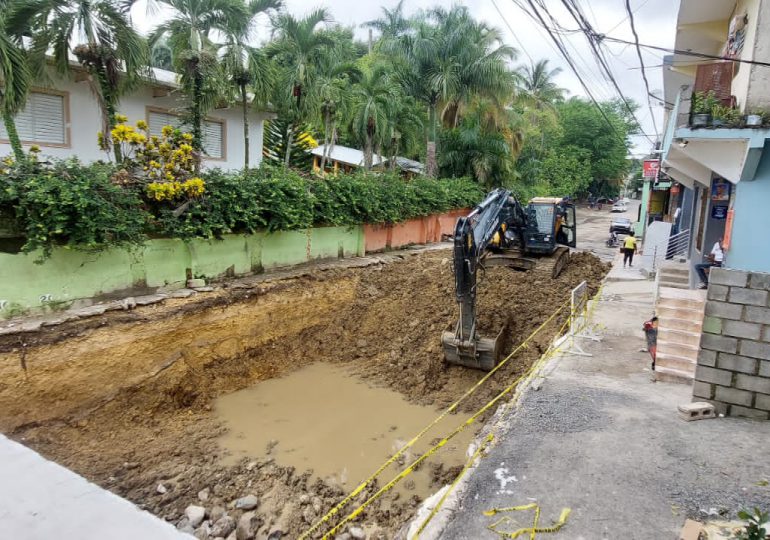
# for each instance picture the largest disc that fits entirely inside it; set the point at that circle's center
(650, 168)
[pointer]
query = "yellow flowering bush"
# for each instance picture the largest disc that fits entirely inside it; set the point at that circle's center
(164, 163)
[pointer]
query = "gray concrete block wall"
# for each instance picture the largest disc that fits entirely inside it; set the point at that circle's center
(733, 369)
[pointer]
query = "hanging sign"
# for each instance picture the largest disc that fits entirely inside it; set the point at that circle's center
(719, 212)
(650, 168)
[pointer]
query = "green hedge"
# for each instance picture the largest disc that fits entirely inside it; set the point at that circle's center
(67, 203)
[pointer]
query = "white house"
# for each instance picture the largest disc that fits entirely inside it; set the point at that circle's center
(65, 118)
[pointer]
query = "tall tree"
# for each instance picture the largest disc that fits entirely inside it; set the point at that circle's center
(298, 47)
(537, 86)
(15, 79)
(188, 31)
(371, 100)
(247, 68)
(392, 23)
(99, 34)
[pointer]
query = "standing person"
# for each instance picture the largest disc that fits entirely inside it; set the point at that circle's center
(677, 213)
(629, 248)
(715, 258)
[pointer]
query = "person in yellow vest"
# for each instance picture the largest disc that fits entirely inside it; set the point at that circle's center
(629, 248)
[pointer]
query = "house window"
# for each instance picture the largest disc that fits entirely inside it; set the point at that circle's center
(43, 120)
(213, 131)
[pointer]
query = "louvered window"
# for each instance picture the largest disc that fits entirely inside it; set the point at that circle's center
(213, 132)
(42, 120)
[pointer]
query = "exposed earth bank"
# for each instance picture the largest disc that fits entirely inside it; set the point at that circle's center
(141, 422)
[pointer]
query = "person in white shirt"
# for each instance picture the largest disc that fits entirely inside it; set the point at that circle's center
(715, 258)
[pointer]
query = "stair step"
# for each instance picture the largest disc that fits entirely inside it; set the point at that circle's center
(677, 349)
(679, 336)
(672, 360)
(691, 294)
(675, 284)
(693, 315)
(666, 322)
(681, 303)
(664, 374)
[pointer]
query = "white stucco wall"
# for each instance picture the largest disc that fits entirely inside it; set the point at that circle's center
(759, 78)
(85, 122)
(740, 86)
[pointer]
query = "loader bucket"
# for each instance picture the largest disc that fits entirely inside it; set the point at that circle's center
(481, 353)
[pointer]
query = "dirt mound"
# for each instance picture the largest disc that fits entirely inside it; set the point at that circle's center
(385, 325)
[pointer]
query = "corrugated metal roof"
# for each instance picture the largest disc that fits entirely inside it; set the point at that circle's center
(348, 156)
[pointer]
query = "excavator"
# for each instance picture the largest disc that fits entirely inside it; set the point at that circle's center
(502, 231)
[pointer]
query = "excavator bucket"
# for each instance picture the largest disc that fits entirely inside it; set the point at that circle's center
(480, 353)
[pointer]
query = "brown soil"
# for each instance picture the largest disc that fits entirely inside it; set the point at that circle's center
(125, 399)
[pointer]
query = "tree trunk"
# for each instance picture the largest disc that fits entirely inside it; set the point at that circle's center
(111, 123)
(368, 152)
(289, 142)
(13, 135)
(325, 153)
(245, 127)
(196, 116)
(430, 153)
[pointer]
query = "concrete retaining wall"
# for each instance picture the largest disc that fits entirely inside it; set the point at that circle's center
(733, 369)
(71, 276)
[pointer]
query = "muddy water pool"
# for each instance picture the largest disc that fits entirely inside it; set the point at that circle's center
(323, 419)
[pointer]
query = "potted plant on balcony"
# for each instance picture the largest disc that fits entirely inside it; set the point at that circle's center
(703, 104)
(723, 116)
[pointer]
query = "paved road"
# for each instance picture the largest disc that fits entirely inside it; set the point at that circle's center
(603, 440)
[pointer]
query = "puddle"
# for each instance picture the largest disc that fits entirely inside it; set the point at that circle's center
(324, 419)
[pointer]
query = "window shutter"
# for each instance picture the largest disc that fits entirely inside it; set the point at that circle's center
(158, 120)
(213, 139)
(41, 121)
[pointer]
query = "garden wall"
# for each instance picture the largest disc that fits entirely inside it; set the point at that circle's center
(71, 276)
(733, 369)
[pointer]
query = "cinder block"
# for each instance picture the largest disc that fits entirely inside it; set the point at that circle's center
(755, 349)
(712, 325)
(753, 297)
(752, 383)
(737, 410)
(718, 292)
(719, 343)
(724, 310)
(707, 358)
(732, 362)
(764, 369)
(719, 407)
(711, 375)
(698, 410)
(763, 402)
(759, 280)
(766, 334)
(757, 315)
(742, 329)
(702, 390)
(723, 276)
(733, 396)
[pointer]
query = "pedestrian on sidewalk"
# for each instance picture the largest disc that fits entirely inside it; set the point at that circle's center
(715, 258)
(629, 248)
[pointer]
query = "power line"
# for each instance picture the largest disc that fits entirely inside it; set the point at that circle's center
(568, 59)
(640, 6)
(641, 61)
(602, 37)
(494, 3)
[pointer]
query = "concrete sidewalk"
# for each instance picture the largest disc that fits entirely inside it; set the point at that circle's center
(600, 438)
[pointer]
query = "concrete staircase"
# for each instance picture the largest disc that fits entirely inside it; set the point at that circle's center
(674, 275)
(680, 320)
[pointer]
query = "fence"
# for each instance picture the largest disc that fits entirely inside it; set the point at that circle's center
(678, 245)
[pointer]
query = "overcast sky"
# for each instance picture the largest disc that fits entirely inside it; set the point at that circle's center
(655, 23)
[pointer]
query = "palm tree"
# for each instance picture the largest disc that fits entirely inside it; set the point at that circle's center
(537, 85)
(392, 24)
(246, 67)
(297, 49)
(188, 33)
(372, 97)
(99, 34)
(14, 82)
(449, 57)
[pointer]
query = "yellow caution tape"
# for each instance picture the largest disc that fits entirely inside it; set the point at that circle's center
(331, 513)
(533, 529)
(443, 498)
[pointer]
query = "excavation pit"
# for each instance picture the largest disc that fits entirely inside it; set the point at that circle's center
(130, 399)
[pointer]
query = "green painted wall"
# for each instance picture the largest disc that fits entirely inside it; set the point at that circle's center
(70, 275)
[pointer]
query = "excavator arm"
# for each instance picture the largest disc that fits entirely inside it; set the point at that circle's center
(473, 235)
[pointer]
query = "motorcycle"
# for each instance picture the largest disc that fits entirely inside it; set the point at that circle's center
(613, 240)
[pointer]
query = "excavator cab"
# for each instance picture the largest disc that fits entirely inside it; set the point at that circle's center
(550, 223)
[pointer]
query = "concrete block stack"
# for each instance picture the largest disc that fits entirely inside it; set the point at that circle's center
(733, 370)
